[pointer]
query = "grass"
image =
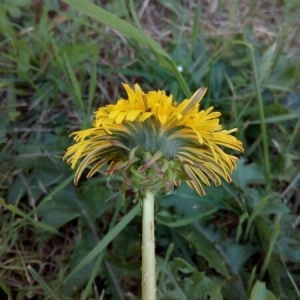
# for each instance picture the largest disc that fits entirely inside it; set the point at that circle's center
(58, 241)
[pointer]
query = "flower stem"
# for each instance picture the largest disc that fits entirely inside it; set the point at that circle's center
(148, 249)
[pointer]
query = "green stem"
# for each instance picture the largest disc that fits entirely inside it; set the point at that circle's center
(262, 119)
(148, 249)
(261, 112)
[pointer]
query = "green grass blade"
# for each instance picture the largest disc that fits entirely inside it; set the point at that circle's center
(5, 24)
(88, 287)
(292, 186)
(109, 19)
(170, 61)
(266, 63)
(239, 231)
(106, 240)
(273, 239)
(291, 277)
(276, 119)
(15, 210)
(45, 286)
(161, 57)
(161, 277)
(251, 281)
(92, 86)
(256, 211)
(261, 112)
(101, 255)
(294, 135)
(262, 119)
(76, 85)
(265, 234)
(195, 30)
(54, 192)
(216, 292)
(180, 79)
(106, 18)
(5, 289)
(186, 221)
(114, 280)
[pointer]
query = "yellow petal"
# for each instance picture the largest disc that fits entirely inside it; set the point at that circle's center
(133, 114)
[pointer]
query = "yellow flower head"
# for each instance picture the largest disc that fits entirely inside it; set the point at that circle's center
(156, 143)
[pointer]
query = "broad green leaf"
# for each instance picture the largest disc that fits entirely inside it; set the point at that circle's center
(206, 248)
(246, 174)
(289, 249)
(265, 63)
(217, 78)
(188, 204)
(61, 209)
(185, 221)
(237, 255)
(260, 292)
(56, 190)
(182, 281)
(256, 212)
(169, 288)
(5, 288)
(16, 191)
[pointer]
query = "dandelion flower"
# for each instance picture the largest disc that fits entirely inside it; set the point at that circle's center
(155, 143)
